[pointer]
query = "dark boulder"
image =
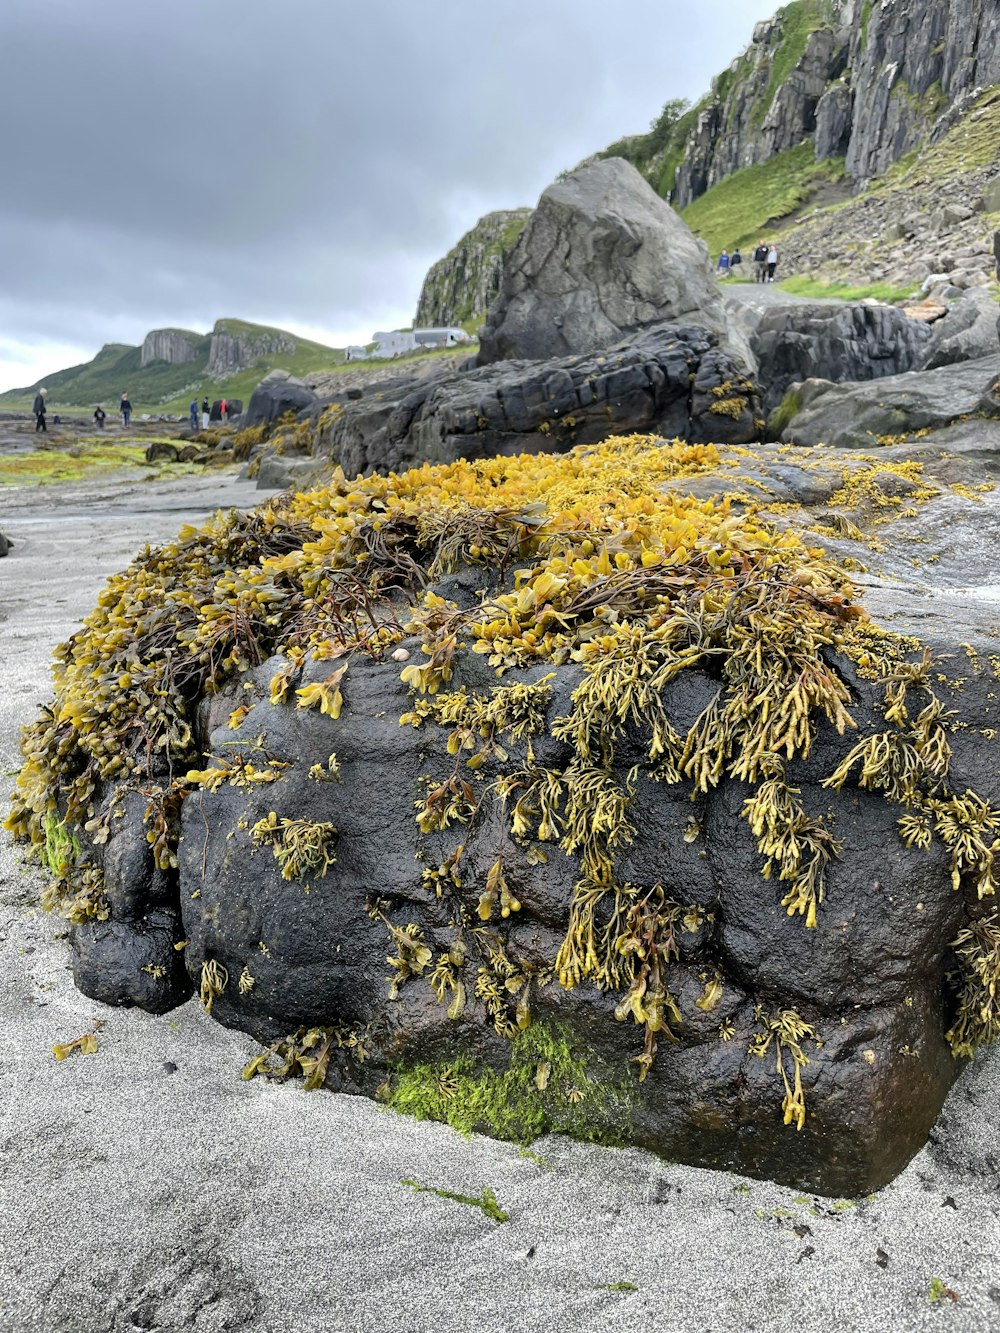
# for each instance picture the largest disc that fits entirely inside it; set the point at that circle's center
(833, 341)
(671, 379)
(275, 396)
(967, 332)
(649, 886)
(857, 416)
(5, 544)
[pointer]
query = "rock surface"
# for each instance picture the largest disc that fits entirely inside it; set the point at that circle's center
(172, 345)
(670, 378)
(286, 934)
(232, 351)
(967, 333)
(277, 394)
(857, 416)
(601, 256)
(850, 342)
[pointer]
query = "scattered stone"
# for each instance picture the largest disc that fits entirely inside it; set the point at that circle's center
(926, 312)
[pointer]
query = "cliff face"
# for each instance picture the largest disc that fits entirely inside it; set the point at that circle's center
(910, 64)
(768, 99)
(171, 345)
(462, 286)
(866, 80)
(235, 347)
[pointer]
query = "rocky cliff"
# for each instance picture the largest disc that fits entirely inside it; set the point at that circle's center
(461, 287)
(864, 80)
(236, 346)
(174, 346)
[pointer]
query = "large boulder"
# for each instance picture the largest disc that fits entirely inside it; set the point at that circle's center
(707, 869)
(601, 256)
(833, 341)
(278, 394)
(5, 544)
(858, 416)
(673, 379)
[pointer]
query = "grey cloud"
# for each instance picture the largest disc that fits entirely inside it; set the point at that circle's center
(174, 163)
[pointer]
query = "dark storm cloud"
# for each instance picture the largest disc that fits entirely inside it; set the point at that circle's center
(168, 163)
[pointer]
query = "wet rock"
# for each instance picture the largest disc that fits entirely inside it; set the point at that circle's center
(672, 379)
(277, 394)
(857, 415)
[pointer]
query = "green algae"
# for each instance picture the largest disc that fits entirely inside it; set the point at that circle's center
(546, 1089)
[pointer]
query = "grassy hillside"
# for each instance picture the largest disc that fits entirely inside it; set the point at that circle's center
(743, 208)
(162, 387)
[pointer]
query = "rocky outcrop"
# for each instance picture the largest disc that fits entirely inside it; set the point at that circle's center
(833, 342)
(670, 378)
(460, 288)
(750, 117)
(277, 394)
(5, 544)
(171, 345)
(865, 80)
(908, 66)
(859, 416)
(236, 348)
(601, 256)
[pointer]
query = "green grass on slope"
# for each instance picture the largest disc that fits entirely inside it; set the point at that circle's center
(878, 291)
(741, 209)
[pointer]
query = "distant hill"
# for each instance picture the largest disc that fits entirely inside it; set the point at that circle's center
(172, 366)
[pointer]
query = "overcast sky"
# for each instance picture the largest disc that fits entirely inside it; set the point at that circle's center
(170, 162)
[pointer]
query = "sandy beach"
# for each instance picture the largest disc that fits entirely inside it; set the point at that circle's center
(149, 1187)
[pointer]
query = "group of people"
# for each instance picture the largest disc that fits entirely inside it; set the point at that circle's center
(206, 412)
(124, 409)
(765, 262)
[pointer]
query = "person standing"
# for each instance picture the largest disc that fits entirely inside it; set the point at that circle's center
(723, 264)
(735, 260)
(204, 414)
(772, 261)
(99, 415)
(223, 411)
(38, 407)
(760, 263)
(193, 413)
(125, 408)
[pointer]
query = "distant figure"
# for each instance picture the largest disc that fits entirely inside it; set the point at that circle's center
(723, 264)
(204, 414)
(735, 260)
(38, 407)
(772, 262)
(224, 411)
(193, 413)
(760, 263)
(99, 416)
(125, 408)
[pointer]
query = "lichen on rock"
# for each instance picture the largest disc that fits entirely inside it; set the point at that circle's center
(649, 817)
